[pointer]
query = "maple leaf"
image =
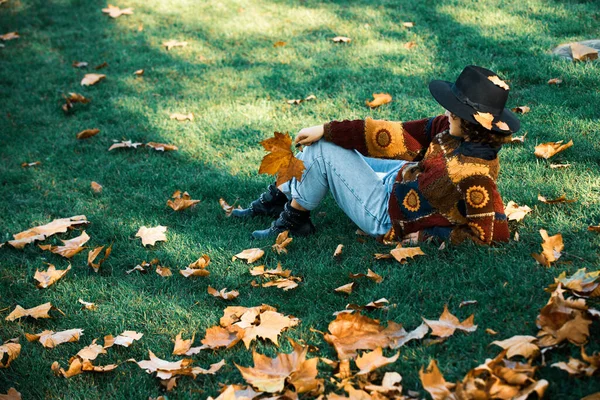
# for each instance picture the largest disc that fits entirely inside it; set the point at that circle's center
(194, 272)
(163, 271)
(182, 346)
(92, 79)
(374, 305)
(116, 12)
(284, 283)
(88, 305)
(550, 149)
(181, 201)
(519, 346)
(174, 43)
(554, 81)
(378, 100)
(260, 271)
(227, 337)
(521, 109)
(370, 275)
(281, 161)
(44, 231)
(514, 212)
(96, 187)
(485, 119)
(125, 339)
(124, 144)
(223, 293)
(448, 323)
(50, 276)
(576, 367)
(87, 133)
(433, 381)
(503, 126)
(552, 246)
(70, 247)
(9, 36)
(583, 53)
(93, 254)
(51, 339)
(227, 208)
(150, 236)
(40, 311)
(402, 253)
(498, 82)
(347, 288)
(370, 361)
(270, 327)
(162, 146)
(341, 39)
(11, 351)
(72, 99)
(250, 255)
(282, 242)
(389, 384)
(561, 199)
(12, 393)
(581, 283)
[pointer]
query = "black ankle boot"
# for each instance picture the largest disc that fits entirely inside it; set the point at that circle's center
(269, 203)
(296, 221)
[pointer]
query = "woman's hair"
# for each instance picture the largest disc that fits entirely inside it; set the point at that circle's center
(478, 134)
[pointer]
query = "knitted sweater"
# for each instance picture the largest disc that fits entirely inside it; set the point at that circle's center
(450, 191)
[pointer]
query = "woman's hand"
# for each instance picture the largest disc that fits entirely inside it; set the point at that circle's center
(308, 136)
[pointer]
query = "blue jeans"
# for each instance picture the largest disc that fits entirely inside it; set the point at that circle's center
(360, 185)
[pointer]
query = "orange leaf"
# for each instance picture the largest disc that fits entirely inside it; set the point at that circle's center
(514, 212)
(163, 271)
(282, 242)
(338, 251)
(341, 39)
(408, 24)
(50, 276)
(88, 133)
(279, 44)
(139, 72)
(521, 109)
(370, 361)
(9, 36)
(485, 119)
(182, 346)
(51, 339)
(561, 199)
(552, 247)
(519, 346)
(402, 253)
(498, 82)
(182, 117)
(162, 146)
(174, 43)
(223, 293)
(281, 161)
(554, 81)
(433, 381)
(94, 253)
(370, 274)
(43, 231)
(379, 99)
(116, 12)
(11, 350)
(150, 236)
(448, 323)
(217, 336)
(502, 125)
(181, 202)
(250, 255)
(40, 311)
(227, 208)
(96, 187)
(345, 288)
(124, 144)
(583, 53)
(550, 149)
(70, 247)
(92, 79)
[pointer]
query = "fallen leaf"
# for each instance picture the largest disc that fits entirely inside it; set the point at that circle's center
(44, 231)
(283, 283)
(93, 254)
(9, 351)
(227, 208)
(498, 82)
(521, 109)
(51, 339)
(282, 242)
(12, 393)
(503, 126)
(389, 384)
(557, 166)
(374, 305)
(72, 99)
(298, 101)
(433, 381)
(576, 367)
(550, 149)
(281, 160)
(126, 338)
(370, 275)
(490, 331)
(96, 187)
(250, 255)
(467, 303)
(139, 72)
(163, 271)
(515, 212)
(92, 79)
(181, 201)
(79, 64)
(338, 251)
(379, 99)
(552, 246)
(116, 12)
(87, 133)
(519, 346)
(554, 81)
(518, 139)
(100, 66)
(260, 271)
(182, 346)
(347, 288)
(9, 36)
(448, 323)
(583, 53)
(182, 117)
(162, 146)
(270, 326)
(223, 293)
(87, 305)
(485, 119)
(227, 337)
(31, 164)
(124, 144)
(40, 311)
(402, 253)
(561, 199)
(174, 43)
(408, 24)
(370, 361)
(594, 228)
(70, 247)
(150, 236)
(409, 45)
(279, 44)
(341, 39)
(50, 276)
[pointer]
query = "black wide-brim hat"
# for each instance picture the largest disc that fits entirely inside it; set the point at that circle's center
(478, 96)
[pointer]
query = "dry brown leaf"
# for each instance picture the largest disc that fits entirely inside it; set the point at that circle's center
(284, 283)
(521, 109)
(338, 251)
(594, 396)
(550, 149)
(576, 367)
(31, 164)
(519, 346)
(9, 36)
(467, 303)
(51, 339)
(484, 119)
(182, 346)
(433, 381)
(515, 212)
(79, 64)
(200, 263)
(250, 255)
(503, 126)
(281, 160)
(583, 53)
(50, 276)
(12, 393)
(282, 242)
(581, 283)
(126, 338)
(223, 293)
(402, 253)
(374, 305)
(139, 72)
(227, 337)
(379, 99)
(279, 271)
(116, 12)
(70, 247)
(498, 82)
(93, 254)
(162, 146)
(408, 24)
(174, 43)
(100, 66)
(87, 133)
(124, 144)
(88, 305)
(96, 187)
(490, 331)
(561, 199)
(341, 39)
(370, 361)
(558, 166)
(92, 79)
(197, 268)
(554, 81)
(163, 271)
(298, 101)
(227, 208)
(40, 311)
(279, 44)
(370, 275)
(150, 236)
(270, 326)
(409, 45)
(389, 384)
(448, 323)
(9, 351)
(347, 288)
(44, 231)
(518, 139)
(181, 201)
(552, 247)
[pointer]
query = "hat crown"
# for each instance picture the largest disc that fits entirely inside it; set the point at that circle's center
(475, 88)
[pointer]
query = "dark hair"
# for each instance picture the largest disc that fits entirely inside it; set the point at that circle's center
(478, 134)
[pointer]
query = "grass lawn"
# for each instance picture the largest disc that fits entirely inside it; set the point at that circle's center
(236, 83)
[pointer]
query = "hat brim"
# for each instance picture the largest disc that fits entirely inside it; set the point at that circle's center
(442, 93)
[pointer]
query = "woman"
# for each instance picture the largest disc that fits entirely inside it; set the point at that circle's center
(430, 177)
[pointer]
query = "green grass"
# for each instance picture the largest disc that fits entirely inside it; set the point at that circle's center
(236, 84)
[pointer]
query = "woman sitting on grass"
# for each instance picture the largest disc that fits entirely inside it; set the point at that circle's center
(430, 177)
